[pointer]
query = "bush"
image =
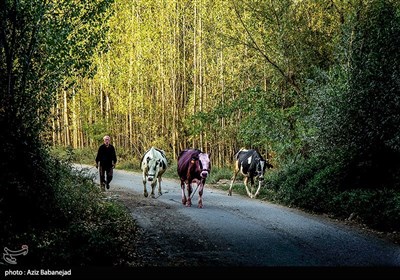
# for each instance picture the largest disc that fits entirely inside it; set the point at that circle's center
(64, 219)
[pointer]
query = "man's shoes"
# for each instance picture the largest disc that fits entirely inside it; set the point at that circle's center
(107, 186)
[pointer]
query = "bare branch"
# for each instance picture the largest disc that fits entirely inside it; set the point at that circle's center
(267, 58)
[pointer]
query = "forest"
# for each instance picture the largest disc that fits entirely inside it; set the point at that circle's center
(314, 85)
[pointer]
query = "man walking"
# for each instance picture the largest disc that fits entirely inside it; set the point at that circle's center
(105, 161)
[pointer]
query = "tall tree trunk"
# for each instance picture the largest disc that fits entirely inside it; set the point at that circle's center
(67, 140)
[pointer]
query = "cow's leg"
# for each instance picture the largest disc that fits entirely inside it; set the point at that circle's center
(189, 198)
(258, 188)
(246, 180)
(153, 186)
(252, 186)
(144, 185)
(233, 180)
(200, 202)
(159, 185)
(183, 192)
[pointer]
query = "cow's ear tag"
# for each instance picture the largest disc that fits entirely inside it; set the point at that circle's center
(192, 161)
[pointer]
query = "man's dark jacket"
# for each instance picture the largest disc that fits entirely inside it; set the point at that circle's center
(106, 156)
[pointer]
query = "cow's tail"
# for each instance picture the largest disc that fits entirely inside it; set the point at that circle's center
(236, 156)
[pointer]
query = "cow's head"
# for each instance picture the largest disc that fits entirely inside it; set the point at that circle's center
(205, 164)
(153, 166)
(261, 166)
(260, 169)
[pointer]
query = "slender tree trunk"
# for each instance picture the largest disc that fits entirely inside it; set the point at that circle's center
(74, 121)
(67, 140)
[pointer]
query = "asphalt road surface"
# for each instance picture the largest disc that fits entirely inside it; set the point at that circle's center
(243, 232)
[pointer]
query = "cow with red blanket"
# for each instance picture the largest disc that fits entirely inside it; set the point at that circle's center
(193, 167)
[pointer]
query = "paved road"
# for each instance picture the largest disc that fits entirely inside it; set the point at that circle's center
(254, 233)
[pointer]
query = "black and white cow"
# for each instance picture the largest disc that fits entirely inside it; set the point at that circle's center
(252, 165)
(154, 164)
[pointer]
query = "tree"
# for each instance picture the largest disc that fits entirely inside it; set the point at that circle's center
(43, 46)
(359, 122)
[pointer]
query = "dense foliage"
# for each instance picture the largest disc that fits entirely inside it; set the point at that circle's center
(358, 116)
(43, 45)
